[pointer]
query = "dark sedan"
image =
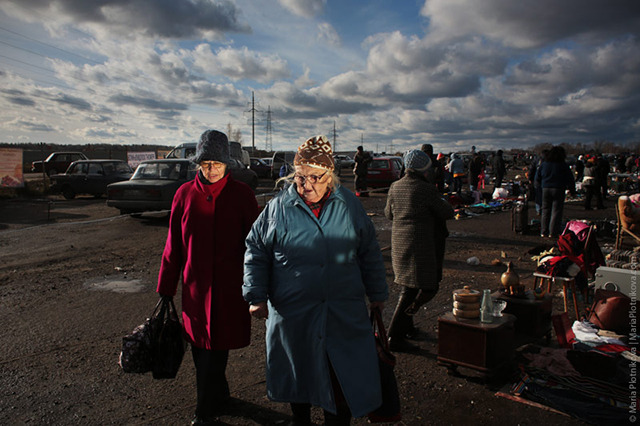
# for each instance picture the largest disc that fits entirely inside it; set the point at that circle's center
(152, 186)
(155, 182)
(90, 177)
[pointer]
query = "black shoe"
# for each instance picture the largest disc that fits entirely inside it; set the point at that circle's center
(397, 344)
(199, 421)
(416, 334)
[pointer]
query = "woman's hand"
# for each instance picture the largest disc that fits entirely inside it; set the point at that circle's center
(259, 310)
(379, 305)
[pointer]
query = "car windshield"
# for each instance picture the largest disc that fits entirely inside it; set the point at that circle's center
(379, 164)
(159, 170)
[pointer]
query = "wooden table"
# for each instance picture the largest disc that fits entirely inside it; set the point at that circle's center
(469, 343)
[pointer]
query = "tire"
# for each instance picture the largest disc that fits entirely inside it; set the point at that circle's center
(68, 193)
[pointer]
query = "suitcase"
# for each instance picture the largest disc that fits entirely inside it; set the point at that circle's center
(519, 218)
(618, 279)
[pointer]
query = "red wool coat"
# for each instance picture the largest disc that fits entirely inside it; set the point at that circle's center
(207, 229)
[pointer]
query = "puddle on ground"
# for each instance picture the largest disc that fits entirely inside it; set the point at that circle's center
(115, 283)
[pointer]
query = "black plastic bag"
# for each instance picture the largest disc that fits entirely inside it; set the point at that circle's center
(389, 411)
(156, 345)
(137, 347)
(169, 344)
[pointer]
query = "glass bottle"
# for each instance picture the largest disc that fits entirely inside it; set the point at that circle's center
(486, 308)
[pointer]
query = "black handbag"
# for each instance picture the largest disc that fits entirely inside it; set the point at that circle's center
(155, 345)
(169, 344)
(389, 411)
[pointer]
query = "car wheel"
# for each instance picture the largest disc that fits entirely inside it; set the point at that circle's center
(68, 193)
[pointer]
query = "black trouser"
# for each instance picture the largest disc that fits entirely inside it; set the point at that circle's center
(402, 322)
(302, 411)
(360, 182)
(592, 190)
(211, 380)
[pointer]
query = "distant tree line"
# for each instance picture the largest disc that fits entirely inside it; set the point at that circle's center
(598, 147)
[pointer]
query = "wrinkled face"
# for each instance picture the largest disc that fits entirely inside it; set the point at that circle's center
(312, 183)
(213, 171)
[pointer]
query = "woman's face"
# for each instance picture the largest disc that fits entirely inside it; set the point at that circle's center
(213, 171)
(312, 183)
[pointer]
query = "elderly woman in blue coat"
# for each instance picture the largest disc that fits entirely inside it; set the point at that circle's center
(312, 260)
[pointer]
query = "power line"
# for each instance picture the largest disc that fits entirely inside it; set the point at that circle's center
(269, 140)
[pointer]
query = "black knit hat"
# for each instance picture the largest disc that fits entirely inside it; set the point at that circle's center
(213, 146)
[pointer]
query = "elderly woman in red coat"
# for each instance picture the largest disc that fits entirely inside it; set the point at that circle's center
(210, 218)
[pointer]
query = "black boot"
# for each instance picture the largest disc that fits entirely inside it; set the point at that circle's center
(401, 323)
(301, 414)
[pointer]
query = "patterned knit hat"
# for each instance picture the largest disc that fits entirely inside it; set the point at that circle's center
(315, 152)
(213, 146)
(416, 160)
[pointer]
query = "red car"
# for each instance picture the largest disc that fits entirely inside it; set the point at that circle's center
(384, 170)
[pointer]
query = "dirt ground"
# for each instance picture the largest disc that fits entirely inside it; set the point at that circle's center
(75, 278)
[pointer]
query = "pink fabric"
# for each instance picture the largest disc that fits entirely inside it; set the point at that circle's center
(205, 247)
(579, 228)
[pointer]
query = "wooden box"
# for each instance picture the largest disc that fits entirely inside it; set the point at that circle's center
(468, 343)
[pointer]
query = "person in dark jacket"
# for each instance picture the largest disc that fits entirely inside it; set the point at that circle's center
(603, 167)
(499, 168)
(591, 184)
(476, 168)
(360, 170)
(436, 171)
(418, 214)
(210, 218)
(554, 177)
(579, 168)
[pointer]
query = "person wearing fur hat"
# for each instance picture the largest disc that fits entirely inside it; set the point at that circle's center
(210, 218)
(418, 214)
(312, 261)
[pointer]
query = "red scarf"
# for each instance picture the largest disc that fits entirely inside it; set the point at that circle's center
(316, 207)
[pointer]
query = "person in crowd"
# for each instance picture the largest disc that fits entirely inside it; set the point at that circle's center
(591, 184)
(554, 177)
(418, 214)
(536, 189)
(499, 168)
(630, 163)
(436, 171)
(360, 170)
(603, 167)
(447, 176)
(210, 219)
(312, 261)
(579, 168)
(620, 164)
(456, 168)
(476, 168)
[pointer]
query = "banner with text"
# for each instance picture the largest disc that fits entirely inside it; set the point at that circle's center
(135, 158)
(11, 168)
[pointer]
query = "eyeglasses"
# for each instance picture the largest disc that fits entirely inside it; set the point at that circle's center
(208, 165)
(313, 179)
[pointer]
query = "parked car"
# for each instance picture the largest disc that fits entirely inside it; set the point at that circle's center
(90, 177)
(152, 186)
(384, 170)
(57, 162)
(279, 158)
(261, 168)
(267, 160)
(345, 161)
(155, 182)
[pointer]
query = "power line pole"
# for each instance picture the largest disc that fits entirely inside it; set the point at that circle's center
(268, 146)
(335, 140)
(253, 123)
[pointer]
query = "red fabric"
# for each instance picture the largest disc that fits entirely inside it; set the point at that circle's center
(207, 229)
(316, 207)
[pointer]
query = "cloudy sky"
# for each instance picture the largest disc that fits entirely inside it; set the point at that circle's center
(391, 73)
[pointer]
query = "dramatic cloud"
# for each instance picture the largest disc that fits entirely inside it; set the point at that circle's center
(240, 64)
(163, 18)
(531, 23)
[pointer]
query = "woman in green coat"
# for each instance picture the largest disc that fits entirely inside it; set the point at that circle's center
(312, 261)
